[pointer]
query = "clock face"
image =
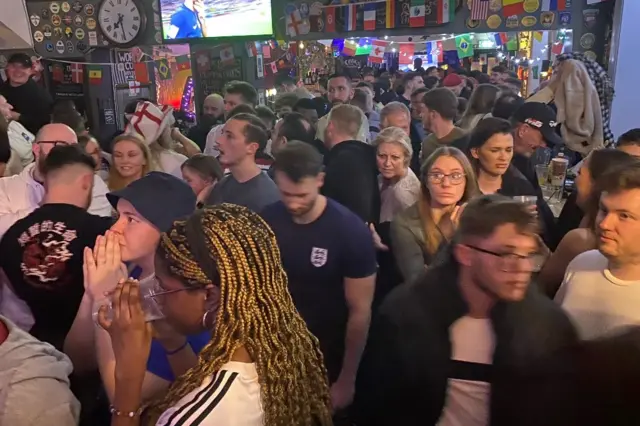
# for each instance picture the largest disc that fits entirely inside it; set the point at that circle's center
(121, 21)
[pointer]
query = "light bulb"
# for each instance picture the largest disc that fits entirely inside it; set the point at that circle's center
(393, 50)
(386, 37)
(301, 45)
(530, 61)
(517, 61)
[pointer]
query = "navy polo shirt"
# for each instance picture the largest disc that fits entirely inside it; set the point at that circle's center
(317, 257)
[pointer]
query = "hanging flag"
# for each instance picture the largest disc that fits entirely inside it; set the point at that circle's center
(350, 16)
(512, 7)
(479, 10)
(416, 14)
(405, 55)
(435, 52)
(557, 47)
(512, 43)
(350, 48)
(501, 38)
(446, 11)
(58, 73)
(142, 72)
(183, 62)
(252, 49)
(95, 75)
(553, 5)
(370, 16)
(537, 35)
(134, 88)
(266, 51)
(274, 67)
(377, 51)
(464, 46)
(330, 19)
(162, 65)
(226, 55)
(77, 73)
(390, 14)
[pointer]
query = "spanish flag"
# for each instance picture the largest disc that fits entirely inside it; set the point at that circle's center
(391, 14)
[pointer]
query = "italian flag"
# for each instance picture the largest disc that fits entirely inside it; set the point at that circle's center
(446, 11)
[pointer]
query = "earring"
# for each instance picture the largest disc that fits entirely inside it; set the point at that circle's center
(204, 319)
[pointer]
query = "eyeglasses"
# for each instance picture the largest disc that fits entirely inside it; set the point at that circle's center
(456, 178)
(511, 261)
(55, 143)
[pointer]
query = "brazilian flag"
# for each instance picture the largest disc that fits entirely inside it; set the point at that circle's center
(464, 46)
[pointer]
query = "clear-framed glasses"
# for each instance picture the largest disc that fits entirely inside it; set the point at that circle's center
(512, 262)
(456, 178)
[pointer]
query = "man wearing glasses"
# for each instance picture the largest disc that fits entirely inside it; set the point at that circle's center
(23, 193)
(440, 350)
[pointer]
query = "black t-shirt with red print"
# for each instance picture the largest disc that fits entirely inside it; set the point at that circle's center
(42, 257)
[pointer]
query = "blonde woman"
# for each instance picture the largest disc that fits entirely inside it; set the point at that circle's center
(448, 182)
(399, 186)
(131, 161)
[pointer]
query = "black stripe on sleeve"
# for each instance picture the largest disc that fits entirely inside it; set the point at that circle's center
(472, 371)
(198, 421)
(195, 405)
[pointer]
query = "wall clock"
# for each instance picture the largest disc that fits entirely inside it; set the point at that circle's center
(121, 21)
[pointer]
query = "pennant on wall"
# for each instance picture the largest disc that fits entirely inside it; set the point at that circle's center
(512, 7)
(390, 14)
(370, 16)
(350, 17)
(479, 10)
(330, 19)
(446, 11)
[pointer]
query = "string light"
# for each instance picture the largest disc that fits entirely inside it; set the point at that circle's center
(301, 45)
(386, 37)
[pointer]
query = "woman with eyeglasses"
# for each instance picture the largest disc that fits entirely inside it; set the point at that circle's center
(447, 183)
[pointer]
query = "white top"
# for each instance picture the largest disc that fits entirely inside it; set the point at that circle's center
(231, 397)
(212, 136)
(21, 194)
(598, 303)
(468, 392)
(399, 196)
(171, 162)
(21, 141)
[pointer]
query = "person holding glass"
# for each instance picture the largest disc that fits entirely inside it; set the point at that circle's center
(579, 240)
(447, 183)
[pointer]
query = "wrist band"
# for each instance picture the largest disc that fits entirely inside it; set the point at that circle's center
(175, 351)
(129, 414)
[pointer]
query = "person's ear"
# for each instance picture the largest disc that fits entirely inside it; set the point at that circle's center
(87, 181)
(320, 180)
(35, 147)
(462, 254)
(284, 140)
(474, 153)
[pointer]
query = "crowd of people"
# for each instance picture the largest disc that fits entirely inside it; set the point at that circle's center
(360, 256)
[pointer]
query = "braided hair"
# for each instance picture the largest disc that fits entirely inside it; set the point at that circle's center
(237, 251)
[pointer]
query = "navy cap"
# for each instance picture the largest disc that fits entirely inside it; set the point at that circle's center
(539, 116)
(159, 197)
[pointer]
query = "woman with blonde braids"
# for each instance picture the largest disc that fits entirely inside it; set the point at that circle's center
(221, 270)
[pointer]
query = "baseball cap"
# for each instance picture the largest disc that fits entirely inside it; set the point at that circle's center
(539, 116)
(20, 59)
(452, 80)
(159, 197)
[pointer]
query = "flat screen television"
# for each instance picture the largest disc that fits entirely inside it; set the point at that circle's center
(184, 20)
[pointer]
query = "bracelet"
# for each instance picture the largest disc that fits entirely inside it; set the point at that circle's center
(175, 351)
(129, 414)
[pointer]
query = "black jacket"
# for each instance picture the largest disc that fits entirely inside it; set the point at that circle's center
(351, 179)
(404, 372)
(31, 101)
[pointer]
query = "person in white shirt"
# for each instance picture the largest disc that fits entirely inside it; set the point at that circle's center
(601, 288)
(220, 270)
(21, 194)
(235, 93)
(20, 140)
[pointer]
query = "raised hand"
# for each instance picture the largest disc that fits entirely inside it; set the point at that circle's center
(103, 267)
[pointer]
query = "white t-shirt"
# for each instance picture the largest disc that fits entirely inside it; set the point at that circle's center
(598, 303)
(231, 397)
(171, 162)
(468, 391)
(212, 137)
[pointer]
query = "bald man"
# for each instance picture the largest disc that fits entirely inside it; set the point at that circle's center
(212, 114)
(23, 193)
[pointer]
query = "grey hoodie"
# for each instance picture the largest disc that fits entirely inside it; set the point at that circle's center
(34, 383)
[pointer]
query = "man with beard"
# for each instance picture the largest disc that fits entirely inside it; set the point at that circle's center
(329, 256)
(23, 193)
(31, 103)
(42, 254)
(212, 114)
(340, 91)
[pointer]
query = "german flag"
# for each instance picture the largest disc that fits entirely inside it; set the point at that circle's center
(391, 14)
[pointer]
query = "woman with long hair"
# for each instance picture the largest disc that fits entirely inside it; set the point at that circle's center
(131, 160)
(599, 163)
(480, 104)
(447, 183)
(202, 172)
(220, 270)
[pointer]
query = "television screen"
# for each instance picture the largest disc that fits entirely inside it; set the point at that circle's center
(191, 19)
